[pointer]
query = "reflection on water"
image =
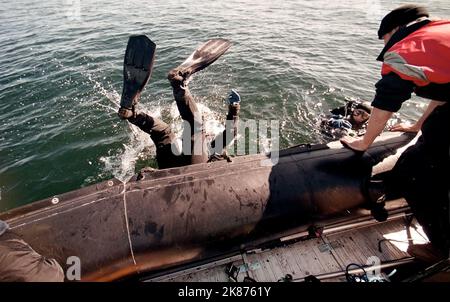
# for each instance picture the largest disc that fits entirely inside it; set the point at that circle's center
(61, 77)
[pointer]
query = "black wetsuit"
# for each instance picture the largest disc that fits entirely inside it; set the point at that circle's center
(421, 174)
(163, 137)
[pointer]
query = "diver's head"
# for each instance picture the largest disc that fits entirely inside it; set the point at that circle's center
(400, 17)
(361, 113)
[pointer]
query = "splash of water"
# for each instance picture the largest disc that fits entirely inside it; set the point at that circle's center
(121, 163)
(212, 119)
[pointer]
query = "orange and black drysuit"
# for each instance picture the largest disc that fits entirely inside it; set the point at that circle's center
(417, 59)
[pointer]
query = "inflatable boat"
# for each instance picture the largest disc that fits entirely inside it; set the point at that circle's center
(168, 218)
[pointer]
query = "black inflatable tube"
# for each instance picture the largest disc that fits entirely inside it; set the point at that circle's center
(177, 216)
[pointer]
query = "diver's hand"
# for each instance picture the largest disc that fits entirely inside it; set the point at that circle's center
(355, 144)
(405, 127)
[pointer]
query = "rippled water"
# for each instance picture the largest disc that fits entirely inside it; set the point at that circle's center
(61, 77)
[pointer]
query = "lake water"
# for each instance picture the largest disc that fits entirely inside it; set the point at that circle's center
(61, 77)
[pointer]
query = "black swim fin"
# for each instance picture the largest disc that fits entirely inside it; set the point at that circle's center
(204, 56)
(137, 69)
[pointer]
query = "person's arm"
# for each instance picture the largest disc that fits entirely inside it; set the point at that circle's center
(375, 126)
(418, 125)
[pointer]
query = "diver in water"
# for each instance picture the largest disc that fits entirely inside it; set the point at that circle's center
(350, 119)
(138, 65)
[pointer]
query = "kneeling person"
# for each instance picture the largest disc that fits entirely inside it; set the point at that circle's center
(20, 263)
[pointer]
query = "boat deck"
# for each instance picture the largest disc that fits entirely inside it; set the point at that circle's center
(380, 246)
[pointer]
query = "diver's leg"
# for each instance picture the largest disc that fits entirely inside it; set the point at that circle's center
(189, 113)
(222, 140)
(159, 131)
(161, 135)
(203, 56)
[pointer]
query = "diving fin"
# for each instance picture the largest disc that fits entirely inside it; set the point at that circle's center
(137, 69)
(204, 56)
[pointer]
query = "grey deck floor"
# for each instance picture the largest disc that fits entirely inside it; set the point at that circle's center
(328, 254)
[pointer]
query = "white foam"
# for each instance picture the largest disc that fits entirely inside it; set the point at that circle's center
(121, 164)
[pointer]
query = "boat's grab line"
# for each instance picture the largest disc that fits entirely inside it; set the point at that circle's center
(126, 220)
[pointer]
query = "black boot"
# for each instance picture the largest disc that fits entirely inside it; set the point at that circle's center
(375, 190)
